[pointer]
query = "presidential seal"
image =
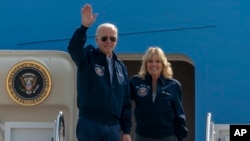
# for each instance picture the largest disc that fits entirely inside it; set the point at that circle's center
(28, 83)
(142, 91)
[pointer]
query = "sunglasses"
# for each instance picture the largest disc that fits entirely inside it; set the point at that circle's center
(105, 38)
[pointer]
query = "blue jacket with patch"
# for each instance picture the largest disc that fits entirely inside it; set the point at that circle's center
(163, 117)
(97, 98)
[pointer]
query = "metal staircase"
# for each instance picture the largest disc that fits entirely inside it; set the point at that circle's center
(216, 132)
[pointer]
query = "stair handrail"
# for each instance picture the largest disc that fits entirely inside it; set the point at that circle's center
(208, 126)
(59, 132)
(2, 127)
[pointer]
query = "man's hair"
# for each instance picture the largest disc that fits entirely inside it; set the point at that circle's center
(158, 52)
(106, 25)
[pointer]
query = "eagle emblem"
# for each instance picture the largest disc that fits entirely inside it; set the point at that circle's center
(29, 83)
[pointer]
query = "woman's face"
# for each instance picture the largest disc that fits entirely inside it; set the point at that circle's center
(154, 66)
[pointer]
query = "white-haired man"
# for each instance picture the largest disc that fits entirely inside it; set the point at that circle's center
(103, 95)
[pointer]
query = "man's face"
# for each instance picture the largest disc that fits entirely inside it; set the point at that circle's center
(106, 40)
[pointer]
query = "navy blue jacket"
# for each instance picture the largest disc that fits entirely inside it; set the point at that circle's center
(163, 117)
(97, 98)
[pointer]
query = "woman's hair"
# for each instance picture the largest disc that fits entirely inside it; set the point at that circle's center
(158, 52)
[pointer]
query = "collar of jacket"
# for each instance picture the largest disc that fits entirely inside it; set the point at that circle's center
(161, 79)
(103, 56)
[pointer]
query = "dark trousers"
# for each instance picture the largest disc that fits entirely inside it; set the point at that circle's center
(141, 138)
(89, 130)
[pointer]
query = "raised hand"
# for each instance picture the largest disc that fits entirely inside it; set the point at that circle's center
(88, 17)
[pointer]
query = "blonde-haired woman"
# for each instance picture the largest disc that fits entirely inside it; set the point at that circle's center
(159, 113)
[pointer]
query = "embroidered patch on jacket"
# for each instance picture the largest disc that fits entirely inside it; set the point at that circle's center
(99, 70)
(166, 93)
(142, 91)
